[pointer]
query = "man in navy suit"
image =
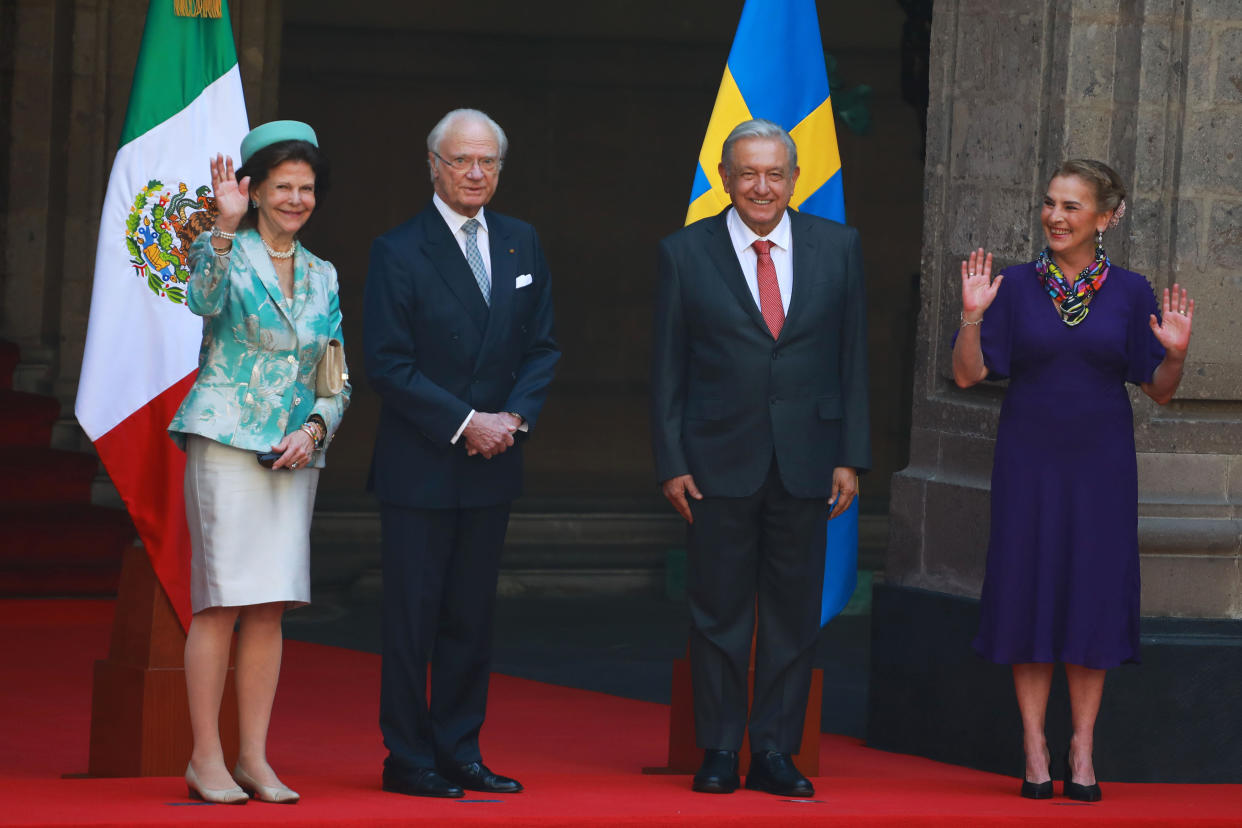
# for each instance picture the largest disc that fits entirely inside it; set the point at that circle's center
(759, 425)
(459, 345)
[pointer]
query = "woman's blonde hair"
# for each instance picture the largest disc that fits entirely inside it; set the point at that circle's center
(1109, 189)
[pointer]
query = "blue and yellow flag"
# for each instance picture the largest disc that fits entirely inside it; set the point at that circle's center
(776, 71)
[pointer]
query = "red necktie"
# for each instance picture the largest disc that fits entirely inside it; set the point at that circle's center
(769, 291)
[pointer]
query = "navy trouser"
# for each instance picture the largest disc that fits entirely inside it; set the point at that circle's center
(440, 569)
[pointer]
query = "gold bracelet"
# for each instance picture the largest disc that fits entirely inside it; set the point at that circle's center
(965, 324)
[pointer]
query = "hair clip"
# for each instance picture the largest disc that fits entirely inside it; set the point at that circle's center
(1118, 214)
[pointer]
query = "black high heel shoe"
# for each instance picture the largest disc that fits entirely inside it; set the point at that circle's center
(1038, 790)
(1079, 793)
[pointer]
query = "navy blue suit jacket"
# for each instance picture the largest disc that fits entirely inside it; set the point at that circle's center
(726, 397)
(434, 350)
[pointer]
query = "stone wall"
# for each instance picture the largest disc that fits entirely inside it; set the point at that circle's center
(1155, 88)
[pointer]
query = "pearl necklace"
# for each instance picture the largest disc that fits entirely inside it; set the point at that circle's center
(279, 254)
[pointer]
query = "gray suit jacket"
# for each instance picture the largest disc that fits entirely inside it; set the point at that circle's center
(726, 397)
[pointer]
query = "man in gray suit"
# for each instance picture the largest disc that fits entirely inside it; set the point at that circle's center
(759, 425)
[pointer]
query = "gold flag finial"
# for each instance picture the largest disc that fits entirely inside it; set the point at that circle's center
(197, 8)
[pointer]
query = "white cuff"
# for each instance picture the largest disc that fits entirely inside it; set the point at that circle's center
(462, 427)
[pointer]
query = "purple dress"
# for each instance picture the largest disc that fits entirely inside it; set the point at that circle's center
(1062, 579)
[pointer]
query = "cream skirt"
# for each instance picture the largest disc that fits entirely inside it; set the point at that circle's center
(249, 528)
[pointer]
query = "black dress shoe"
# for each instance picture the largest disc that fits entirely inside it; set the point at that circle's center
(1083, 793)
(718, 773)
(1038, 790)
(476, 776)
(775, 773)
(1079, 793)
(421, 782)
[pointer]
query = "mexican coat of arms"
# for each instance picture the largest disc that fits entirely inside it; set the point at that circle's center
(159, 231)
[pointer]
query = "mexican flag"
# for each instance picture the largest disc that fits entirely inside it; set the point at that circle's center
(142, 342)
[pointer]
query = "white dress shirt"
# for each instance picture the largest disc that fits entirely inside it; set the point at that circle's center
(455, 220)
(782, 242)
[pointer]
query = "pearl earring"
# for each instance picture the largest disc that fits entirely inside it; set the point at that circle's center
(1099, 237)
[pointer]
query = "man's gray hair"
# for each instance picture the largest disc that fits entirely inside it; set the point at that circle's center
(757, 128)
(436, 136)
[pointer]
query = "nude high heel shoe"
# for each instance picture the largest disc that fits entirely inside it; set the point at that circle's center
(225, 796)
(277, 794)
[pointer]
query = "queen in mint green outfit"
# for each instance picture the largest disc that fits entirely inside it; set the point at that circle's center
(270, 307)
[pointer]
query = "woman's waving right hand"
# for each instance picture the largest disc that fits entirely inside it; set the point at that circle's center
(978, 288)
(232, 196)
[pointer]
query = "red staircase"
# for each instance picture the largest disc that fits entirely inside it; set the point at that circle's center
(53, 541)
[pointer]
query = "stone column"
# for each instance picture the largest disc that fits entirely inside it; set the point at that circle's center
(38, 40)
(1154, 87)
(258, 34)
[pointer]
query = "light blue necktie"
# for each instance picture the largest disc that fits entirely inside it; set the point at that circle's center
(475, 259)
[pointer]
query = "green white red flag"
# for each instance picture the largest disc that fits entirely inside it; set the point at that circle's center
(142, 342)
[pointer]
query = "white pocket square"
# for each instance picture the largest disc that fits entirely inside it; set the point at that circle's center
(523, 280)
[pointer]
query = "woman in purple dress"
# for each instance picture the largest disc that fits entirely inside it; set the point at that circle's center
(1068, 330)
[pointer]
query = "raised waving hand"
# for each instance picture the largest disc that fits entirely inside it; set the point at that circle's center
(232, 196)
(1173, 328)
(978, 293)
(978, 288)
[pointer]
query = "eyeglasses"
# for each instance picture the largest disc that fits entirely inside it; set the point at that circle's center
(463, 164)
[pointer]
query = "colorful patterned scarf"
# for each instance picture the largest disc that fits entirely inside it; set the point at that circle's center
(1072, 302)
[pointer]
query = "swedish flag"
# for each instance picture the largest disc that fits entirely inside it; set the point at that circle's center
(776, 71)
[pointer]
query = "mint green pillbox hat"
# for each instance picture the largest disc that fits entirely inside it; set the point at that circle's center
(273, 131)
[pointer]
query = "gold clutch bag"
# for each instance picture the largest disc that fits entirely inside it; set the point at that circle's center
(330, 376)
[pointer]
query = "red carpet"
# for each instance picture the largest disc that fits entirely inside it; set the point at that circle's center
(578, 753)
(55, 541)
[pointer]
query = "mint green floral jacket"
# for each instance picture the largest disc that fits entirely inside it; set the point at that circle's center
(256, 367)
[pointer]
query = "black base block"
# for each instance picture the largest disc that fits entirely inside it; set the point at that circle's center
(1177, 717)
